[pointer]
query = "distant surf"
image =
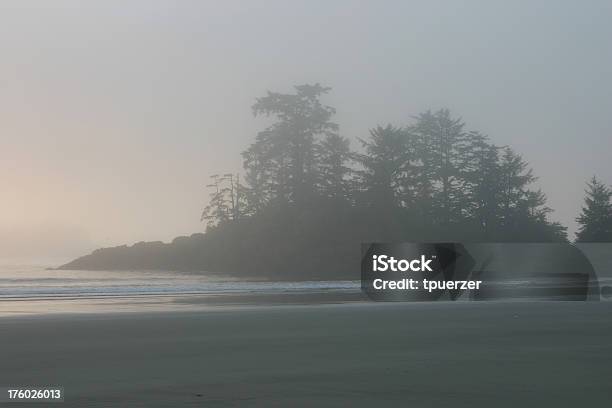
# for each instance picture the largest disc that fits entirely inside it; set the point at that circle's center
(26, 281)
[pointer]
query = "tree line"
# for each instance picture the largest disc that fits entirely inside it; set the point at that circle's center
(305, 200)
(431, 174)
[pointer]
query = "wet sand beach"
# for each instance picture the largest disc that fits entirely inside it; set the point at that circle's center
(471, 354)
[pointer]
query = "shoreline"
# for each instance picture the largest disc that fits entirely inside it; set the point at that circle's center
(108, 304)
(202, 302)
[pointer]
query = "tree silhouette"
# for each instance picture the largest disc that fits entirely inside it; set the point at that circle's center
(443, 144)
(306, 192)
(333, 171)
(284, 154)
(484, 177)
(308, 201)
(595, 218)
(385, 165)
(225, 200)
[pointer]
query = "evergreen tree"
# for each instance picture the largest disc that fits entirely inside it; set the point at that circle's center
(430, 180)
(442, 146)
(596, 217)
(524, 214)
(385, 166)
(266, 165)
(225, 200)
(284, 155)
(485, 187)
(333, 178)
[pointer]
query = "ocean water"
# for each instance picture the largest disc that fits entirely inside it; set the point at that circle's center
(36, 281)
(32, 281)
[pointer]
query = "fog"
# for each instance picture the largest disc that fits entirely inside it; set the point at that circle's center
(113, 114)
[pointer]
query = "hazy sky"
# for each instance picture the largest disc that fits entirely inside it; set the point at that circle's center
(113, 114)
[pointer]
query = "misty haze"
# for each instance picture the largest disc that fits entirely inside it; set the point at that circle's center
(305, 203)
(116, 135)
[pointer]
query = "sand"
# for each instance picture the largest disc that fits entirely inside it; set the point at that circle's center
(471, 354)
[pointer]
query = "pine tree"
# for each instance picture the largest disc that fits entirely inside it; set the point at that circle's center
(334, 154)
(385, 165)
(484, 185)
(226, 200)
(442, 146)
(287, 149)
(596, 217)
